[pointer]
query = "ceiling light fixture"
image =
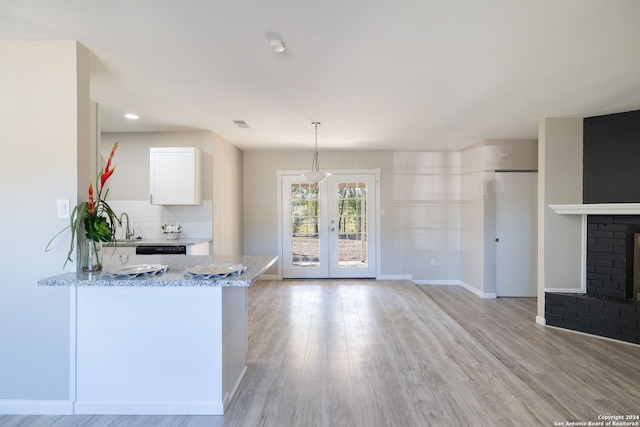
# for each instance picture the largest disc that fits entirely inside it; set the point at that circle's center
(315, 175)
(131, 116)
(277, 45)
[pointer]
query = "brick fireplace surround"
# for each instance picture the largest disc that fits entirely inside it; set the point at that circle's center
(606, 309)
(611, 215)
(603, 316)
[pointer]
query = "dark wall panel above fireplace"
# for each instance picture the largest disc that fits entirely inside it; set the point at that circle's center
(611, 158)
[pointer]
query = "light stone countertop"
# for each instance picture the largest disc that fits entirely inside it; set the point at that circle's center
(158, 242)
(174, 276)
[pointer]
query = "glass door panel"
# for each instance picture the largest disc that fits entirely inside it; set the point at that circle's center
(305, 236)
(304, 250)
(328, 229)
(351, 242)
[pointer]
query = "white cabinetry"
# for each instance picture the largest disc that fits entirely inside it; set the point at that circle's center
(118, 250)
(175, 176)
(201, 248)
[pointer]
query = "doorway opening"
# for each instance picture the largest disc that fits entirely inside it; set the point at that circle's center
(329, 229)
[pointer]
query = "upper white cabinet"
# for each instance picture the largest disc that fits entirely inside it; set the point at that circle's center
(176, 176)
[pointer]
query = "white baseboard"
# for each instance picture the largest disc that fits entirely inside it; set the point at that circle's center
(565, 291)
(98, 407)
(36, 407)
(394, 277)
(381, 277)
(228, 396)
(483, 295)
(437, 282)
(541, 320)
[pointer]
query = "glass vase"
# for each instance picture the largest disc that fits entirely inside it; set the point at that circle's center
(92, 256)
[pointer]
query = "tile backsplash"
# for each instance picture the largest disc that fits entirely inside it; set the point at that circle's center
(145, 219)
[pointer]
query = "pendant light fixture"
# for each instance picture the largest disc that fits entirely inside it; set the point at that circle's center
(315, 175)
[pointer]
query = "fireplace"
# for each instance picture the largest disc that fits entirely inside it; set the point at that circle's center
(610, 306)
(612, 254)
(607, 302)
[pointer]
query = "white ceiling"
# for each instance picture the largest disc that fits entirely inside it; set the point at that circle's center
(394, 74)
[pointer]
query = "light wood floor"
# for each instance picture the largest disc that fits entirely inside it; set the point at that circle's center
(389, 353)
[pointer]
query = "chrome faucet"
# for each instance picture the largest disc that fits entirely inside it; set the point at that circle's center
(128, 234)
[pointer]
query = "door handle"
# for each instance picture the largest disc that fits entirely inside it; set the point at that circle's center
(497, 239)
(333, 229)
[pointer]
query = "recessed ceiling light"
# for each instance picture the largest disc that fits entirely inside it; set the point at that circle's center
(132, 116)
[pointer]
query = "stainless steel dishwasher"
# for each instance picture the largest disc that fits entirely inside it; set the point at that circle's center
(161, 250)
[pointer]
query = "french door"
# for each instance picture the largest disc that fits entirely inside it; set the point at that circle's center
(329, 228)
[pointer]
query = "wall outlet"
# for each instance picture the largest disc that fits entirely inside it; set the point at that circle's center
(433, 262)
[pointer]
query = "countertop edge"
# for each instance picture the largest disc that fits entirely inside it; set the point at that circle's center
(255, 265)
(190, 241)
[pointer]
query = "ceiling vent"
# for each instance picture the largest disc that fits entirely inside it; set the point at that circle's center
(241, 124)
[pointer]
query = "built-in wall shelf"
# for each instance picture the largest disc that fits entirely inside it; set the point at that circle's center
(597, 209)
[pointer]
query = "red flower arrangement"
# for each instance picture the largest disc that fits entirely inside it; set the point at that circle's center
(97, 216)
(98, 228)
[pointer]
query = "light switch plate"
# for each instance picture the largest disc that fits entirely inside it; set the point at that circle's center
(63, 208)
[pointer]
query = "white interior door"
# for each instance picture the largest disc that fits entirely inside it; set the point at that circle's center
(329, 229)
(516, 234)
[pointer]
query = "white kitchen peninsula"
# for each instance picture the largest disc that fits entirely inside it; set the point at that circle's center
(165, 344)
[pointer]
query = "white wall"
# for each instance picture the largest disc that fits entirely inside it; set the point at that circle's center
(473, 181)
(559, 182)
(44, 129)
(219, 216)
(129, 185)
(131, 179)
(418, 193)
(479, 162)
(228, 208)
(426, 214)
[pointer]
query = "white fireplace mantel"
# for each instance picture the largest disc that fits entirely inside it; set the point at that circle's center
(598, 209)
